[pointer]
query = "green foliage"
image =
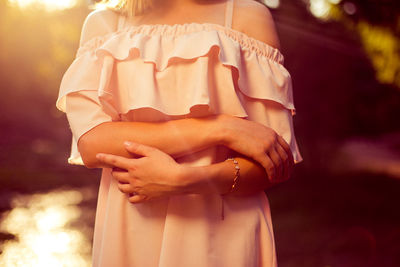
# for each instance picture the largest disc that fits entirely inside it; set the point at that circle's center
(377, 23)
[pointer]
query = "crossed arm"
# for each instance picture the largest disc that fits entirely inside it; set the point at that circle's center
(154, 173)
(263, 156)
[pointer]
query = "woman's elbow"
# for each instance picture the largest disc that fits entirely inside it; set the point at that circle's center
(87, 151)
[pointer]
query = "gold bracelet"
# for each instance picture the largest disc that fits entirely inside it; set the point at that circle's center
(237, 174)
(234, 184)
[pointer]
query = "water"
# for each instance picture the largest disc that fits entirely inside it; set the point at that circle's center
(54, 229)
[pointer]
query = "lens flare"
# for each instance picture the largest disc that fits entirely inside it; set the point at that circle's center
(47, 4)
(320, 8)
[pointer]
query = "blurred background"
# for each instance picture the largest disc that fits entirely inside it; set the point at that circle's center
(341, 208)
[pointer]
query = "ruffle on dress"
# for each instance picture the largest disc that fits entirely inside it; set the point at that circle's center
(260, 69)
(176, 69)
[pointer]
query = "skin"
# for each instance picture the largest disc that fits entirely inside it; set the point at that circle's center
(145, 167)
(156, 174)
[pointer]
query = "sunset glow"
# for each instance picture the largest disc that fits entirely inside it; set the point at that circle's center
(47, 4)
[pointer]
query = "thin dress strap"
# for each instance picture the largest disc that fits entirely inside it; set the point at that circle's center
(121, 22)
(229, 13)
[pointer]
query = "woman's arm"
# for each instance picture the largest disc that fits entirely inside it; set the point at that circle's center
(96, 132)
(176, 138)
(185, 136)
(156, 175)
(218, 178)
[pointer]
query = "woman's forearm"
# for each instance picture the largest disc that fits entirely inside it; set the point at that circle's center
(176, 137)
(218, 178)
(185, 136)
(156, 174)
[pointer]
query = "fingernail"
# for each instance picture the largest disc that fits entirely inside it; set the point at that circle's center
(99, 155)
(127, 143)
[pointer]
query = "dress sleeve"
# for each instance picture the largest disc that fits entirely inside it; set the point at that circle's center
(275, 116)
(84, 112)
(264, 87)
(83, 82)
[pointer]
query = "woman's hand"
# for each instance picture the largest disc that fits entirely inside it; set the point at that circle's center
(154, 174)
(261, 144)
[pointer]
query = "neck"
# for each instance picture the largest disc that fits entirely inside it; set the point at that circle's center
(179, 11)
(169, 4)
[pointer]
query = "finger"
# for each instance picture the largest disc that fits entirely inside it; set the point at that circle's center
(121, 177)
(268, 165)
(116, 169)
(114, 161)
(286, 147)
(285, 162)
(277, 161)
(137, 199)
(126, 188)
(139, 149)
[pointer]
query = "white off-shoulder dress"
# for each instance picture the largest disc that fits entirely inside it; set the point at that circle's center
(165, 72)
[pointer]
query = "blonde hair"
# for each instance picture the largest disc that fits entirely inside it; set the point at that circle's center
(127, 7)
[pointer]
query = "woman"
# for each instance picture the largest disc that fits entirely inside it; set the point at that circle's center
(157, 97)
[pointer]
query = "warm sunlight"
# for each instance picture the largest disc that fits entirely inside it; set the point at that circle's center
(47, 4)
(46, 230)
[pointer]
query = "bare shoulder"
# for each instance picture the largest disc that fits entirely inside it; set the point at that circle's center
(255, 20)
(98, 23)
